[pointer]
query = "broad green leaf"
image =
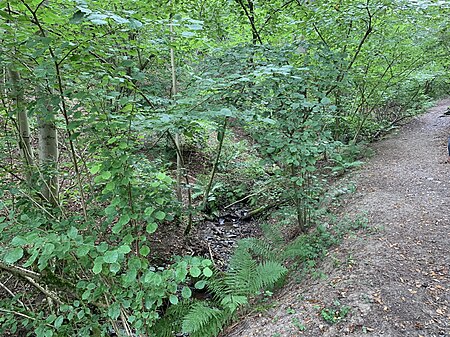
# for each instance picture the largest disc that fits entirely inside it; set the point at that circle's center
(124, 249)
(83, 250)
(145, 250)
(151, 227)
(200, 284)
(19, 241)
(13, 255)
(58, 321)
(173, 299)
(94, 169)
(186, 292)
(111, 256)
(114, 311)
(124, 219)
(106, 175)
(207, 272)
(98, 265)
(195, 271)
(72, 233)
(160, 215)
(206, 263)
(114, 268)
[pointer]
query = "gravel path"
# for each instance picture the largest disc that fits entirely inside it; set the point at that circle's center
(395, 281)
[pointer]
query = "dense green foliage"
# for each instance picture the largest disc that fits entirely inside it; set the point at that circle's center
(102, 104)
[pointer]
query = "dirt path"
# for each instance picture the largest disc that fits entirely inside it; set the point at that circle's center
(396, 280)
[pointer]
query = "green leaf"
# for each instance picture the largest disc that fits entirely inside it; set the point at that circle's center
(145, 250)
(173, 299)
(135, 24)
(72, 233)
(19, 241)
(200, 284)
(58, 321)
(83, 250)
(124, 249)
(160, 215)
(195, 271)
(13, 255)
(114, 311)
(124, 219)
(186, 292)
(98, 265)
(94, 169)
(206, 263)
(151, 227)
(207, 272)
(106, 175)
(114, 268)
(111, 256)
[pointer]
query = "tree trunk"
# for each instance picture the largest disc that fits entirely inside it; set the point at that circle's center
(23, 126)
(48, 152)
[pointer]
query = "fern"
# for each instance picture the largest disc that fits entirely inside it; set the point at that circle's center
(267, 274)
(250, 270)
(203, 321)
(246, 276)
(261, 248)
(172, 320)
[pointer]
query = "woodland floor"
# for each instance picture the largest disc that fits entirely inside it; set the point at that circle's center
(395, 276)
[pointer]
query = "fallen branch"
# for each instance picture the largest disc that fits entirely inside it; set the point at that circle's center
(20, 271)
(261, 209)
(22, 315)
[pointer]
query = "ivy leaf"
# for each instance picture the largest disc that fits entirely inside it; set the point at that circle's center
(13, 255)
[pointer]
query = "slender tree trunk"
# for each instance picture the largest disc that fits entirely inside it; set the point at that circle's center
(48, 153)
(177, 135)
(221, 137)
(23, 125)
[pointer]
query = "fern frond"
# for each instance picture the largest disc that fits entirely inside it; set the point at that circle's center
(202, 319)
(267, 274)
(172, 320)
(260, 248)
(245, 275)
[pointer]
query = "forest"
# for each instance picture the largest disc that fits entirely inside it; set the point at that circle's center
(166, 165)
